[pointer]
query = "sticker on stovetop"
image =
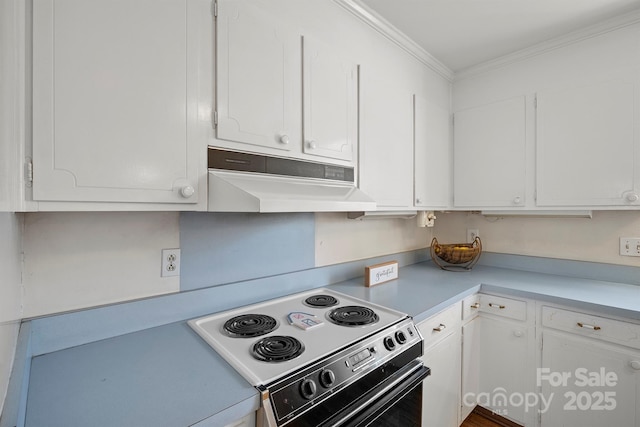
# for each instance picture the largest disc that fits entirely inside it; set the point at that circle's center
(304, 320)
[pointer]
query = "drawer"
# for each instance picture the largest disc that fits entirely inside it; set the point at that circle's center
(440, 325)
(588, 325)
(503, 307)
(470, 306)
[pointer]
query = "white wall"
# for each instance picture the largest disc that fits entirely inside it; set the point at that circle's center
(84, 259)
(10, 294)
(339, 239)
(595, 240)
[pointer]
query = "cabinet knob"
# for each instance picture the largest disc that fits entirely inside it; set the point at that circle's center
(518, 334)
(187, 191)
(284, 139)
(312, 144)
(517, 200)
(632, 197)
(635, 364)
(418, 201)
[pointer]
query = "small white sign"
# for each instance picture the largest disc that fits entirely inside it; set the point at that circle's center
(380, 273)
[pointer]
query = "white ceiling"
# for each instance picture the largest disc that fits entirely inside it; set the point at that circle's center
(463, 33)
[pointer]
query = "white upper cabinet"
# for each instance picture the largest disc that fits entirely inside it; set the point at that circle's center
(330, 103)
(280, 91)
(258, 78)
(115, 98)
(587, 145)
(432, 155)
(386, 152)
(490, 155)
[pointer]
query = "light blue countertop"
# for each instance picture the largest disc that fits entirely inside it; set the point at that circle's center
(168, 376)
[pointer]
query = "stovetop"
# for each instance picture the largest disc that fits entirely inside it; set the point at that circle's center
(309, 325)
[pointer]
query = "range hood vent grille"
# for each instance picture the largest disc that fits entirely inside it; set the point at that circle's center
(242, 182)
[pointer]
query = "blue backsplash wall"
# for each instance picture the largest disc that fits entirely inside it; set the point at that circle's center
(219, 248)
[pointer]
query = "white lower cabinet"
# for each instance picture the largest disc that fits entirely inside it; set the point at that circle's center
(441, 390)
(579, 369)
(585, 378)
(498, 359)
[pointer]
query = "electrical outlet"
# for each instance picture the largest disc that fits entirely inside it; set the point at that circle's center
(630, 246)
(472, 233)
(170, 262)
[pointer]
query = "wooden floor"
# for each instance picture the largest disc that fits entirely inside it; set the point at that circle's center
(482, 417)
(477, 420)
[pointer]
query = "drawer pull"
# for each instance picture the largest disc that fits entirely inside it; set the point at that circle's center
(500, 306)
(635, 364)
(475, 305)
(584, 325)
(439, 328)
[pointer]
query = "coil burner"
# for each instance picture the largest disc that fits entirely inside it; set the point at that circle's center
(250, 325)
(353, 315)
(277, 348)
(321, 301)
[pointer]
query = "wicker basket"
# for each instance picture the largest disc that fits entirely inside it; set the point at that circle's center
(456, 256)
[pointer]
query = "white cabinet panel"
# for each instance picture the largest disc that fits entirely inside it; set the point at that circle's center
(612, 398)
(386, 151)
(586, 146)
(470, 366)
(498, 359)
(114, 101)
(330, 103)
(441, 390)
(489, 155)
(504, 351)
(258, 78)
(432, 155)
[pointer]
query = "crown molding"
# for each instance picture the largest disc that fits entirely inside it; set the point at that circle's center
(385, 28)
(568, 39)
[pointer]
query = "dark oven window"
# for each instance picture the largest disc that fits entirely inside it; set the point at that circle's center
(407, 412)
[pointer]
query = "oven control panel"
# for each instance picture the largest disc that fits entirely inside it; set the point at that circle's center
(328, 376)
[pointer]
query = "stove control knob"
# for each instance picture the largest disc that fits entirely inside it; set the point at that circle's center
(389, 343)
(327, 378)
(401, 337)
(308, 389)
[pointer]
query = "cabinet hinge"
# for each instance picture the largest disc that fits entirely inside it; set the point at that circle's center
(535, 102)
(214, 8)
(28, 171)
(215, 119)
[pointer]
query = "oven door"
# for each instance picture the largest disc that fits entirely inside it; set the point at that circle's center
(396, 403)
(389, 395)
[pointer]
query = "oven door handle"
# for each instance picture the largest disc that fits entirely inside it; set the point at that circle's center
(380, 398)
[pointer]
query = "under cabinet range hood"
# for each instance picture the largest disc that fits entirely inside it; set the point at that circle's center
(243, 182)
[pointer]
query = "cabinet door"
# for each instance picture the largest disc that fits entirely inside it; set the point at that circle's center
(330, 103)
(115, 101)
(489, 155)
(470, 366)
(441, 390)
(432, 162)
(386, 152)
(600, 386)
(586, 143)
(504, 355)
(258, 77)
